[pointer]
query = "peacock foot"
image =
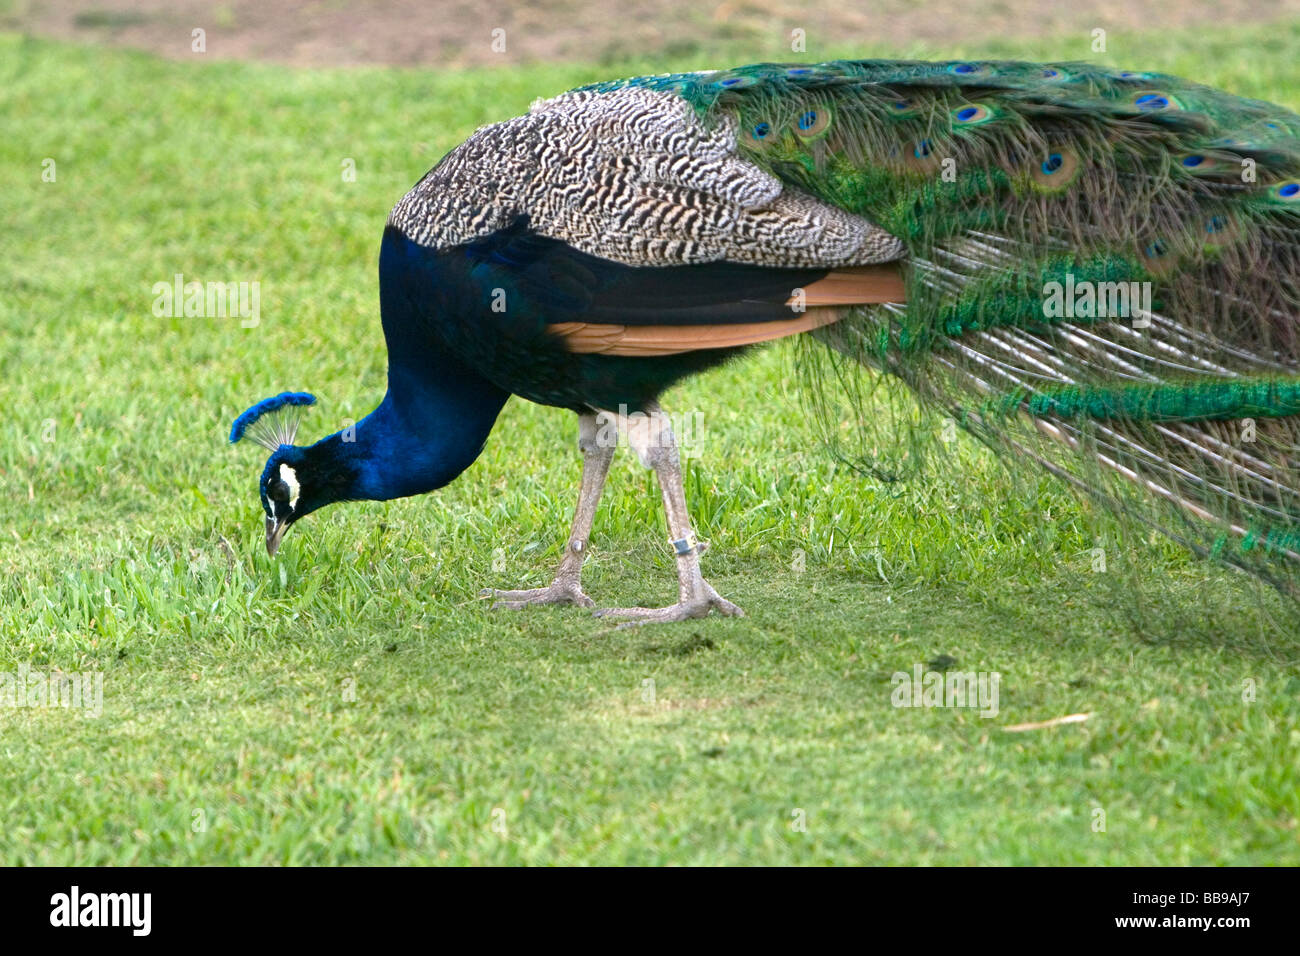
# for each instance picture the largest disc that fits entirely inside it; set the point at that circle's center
(559, 591)
(698, 605)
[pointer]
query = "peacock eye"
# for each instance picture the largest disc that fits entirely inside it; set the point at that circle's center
(278, 491)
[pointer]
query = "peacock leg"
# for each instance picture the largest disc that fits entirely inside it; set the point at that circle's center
(567, 588)
(651, 436)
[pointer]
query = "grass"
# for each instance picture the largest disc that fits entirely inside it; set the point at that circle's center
(353, 702)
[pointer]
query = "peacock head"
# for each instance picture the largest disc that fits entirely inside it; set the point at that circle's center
(296, 480)
(281, 493)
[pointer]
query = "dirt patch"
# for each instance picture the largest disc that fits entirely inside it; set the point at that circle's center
(447, 33)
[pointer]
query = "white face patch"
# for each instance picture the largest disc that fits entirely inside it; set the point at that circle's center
(289, 478)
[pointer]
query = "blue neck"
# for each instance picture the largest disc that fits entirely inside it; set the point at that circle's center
(429, 428)
(434, 420)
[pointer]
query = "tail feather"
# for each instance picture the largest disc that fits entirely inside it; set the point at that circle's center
(1012, 186)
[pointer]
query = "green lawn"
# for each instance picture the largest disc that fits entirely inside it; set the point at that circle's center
(353, 701)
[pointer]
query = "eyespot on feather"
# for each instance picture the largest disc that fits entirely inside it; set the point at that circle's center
(973, 114)
(813, 121)
(920, 157)
(1155, 101)
(734, 81)
(901, 108)
(1286, 192)
(759, 135)
(1209, 165)
(1221, 229)
(970, 69)
(1198, 164)
(1056, 170)
(1157, 255)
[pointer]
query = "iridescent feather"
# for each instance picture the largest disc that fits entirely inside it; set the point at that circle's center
(1008, 180)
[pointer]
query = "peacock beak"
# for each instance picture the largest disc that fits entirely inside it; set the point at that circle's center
(275, 529)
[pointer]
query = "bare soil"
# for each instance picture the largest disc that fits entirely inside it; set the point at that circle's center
(447, 33)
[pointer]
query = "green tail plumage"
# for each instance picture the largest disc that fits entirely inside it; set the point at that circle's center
(1103, 271)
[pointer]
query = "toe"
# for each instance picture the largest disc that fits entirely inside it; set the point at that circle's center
(727, 609)
(555, 594)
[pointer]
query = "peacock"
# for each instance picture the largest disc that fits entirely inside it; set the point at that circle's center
(1092, 271)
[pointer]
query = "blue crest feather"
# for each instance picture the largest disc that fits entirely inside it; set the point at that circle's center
(272, 422)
